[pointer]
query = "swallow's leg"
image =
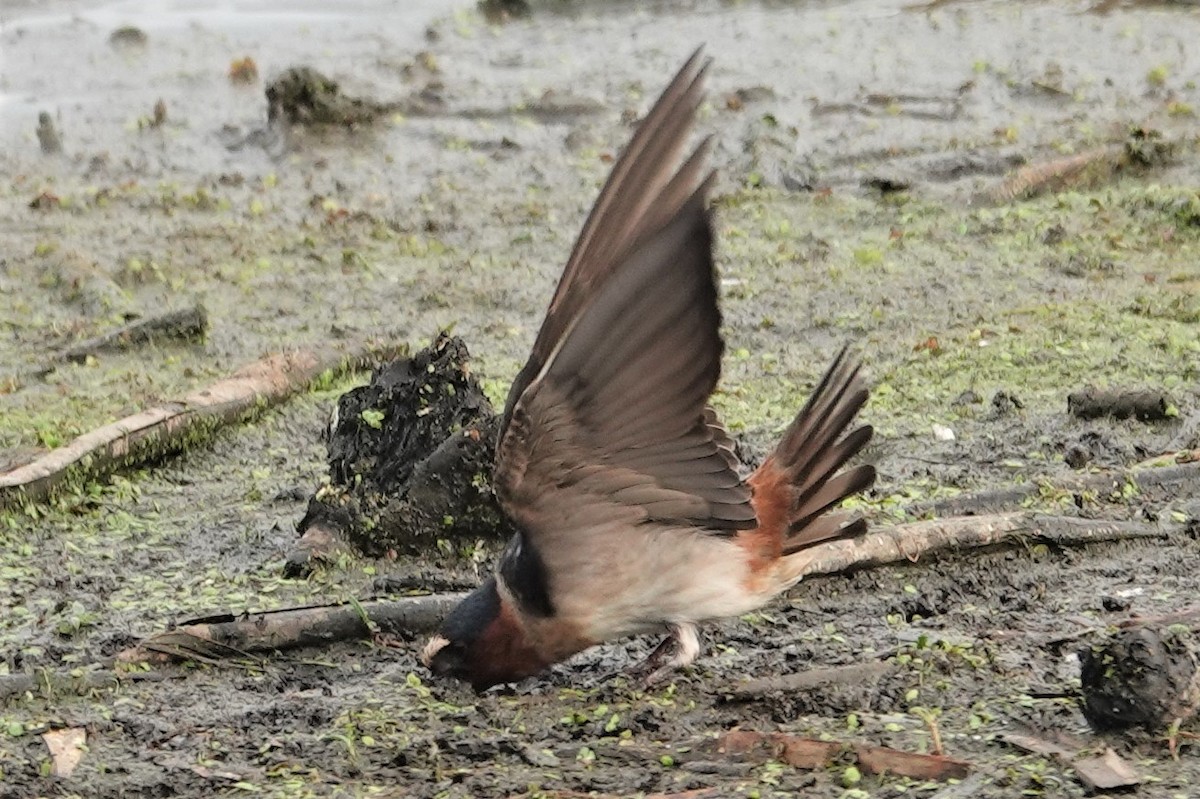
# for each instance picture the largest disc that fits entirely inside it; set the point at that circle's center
(678, 649)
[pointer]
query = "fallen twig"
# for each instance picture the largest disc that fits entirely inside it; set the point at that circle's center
(166, 428)
(55, 682)
(1143, 148)
(909, 542)
(1086, 168)
(1105, 772)
(809, 753)
(224, 637)
(854, 673)
(49, 683)
(1012, 496)
(1189, 616)
(182, 325)
(221, 637)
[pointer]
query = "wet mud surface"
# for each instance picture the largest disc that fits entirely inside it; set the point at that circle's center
(859, 145)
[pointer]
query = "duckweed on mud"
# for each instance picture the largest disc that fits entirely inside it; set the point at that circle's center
(980, 320)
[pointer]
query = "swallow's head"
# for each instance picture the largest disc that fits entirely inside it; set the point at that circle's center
(483, 642)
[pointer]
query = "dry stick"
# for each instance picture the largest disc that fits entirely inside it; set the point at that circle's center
(852, 674)
(911, 541)
(153, 432)
(188, 324)
(225, 636)
(218, 637)
(1189, 617)
(1000, 499)
(182, 325)
(1061, 173)
(54, 682)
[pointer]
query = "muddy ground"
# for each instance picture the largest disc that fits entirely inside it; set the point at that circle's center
(457, 208)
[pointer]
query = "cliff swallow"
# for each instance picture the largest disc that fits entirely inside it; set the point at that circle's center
(624, 485)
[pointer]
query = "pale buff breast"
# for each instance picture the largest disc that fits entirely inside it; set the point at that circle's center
(634, 579)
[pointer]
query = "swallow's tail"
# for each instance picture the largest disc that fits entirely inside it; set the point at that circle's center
(802, 479)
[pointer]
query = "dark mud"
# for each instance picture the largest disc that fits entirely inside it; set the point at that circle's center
(852, 140)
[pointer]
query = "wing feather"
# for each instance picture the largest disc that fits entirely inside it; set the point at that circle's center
(619, 412)
(642, 193)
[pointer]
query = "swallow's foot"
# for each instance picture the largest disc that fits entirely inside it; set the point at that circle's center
(678, 649)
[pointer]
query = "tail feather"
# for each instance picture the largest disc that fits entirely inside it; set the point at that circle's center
(829, 461)
(811, 454)
(802, 530)
(827, 528)
(826, 411)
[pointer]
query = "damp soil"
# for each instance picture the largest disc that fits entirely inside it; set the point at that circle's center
(856, 144)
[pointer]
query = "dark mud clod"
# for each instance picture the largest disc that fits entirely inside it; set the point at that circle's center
(1145, 405)
(500, 11)
(1004, 403)
(128, 37)
(301, 95)
(1139, 678)
(48, 137)
(410, 457)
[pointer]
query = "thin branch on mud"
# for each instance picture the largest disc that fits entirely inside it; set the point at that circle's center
(228, 637)
(1089, 167)
(1143, 149)
(1189, 618)
(169, 427)
(909, 542)
(186, 324)
(53, 682)
(808, 753)
(1012, 496)
(223, 637)
(1105, 772)
(852, 674)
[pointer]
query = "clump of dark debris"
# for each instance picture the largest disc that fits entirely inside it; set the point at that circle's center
(410, 459)
(302, 95)
(1140, 677)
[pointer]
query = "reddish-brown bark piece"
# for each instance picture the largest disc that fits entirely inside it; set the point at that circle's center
(809, 753)
(884, 760)
(1104, 772)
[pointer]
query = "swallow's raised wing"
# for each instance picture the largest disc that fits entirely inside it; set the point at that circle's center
(615, 424)
(643, 191)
